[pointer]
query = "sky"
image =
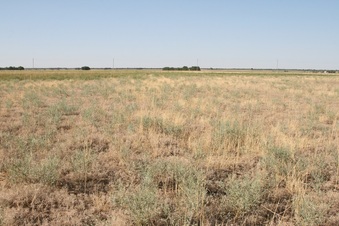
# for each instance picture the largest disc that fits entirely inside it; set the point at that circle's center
(290, 34)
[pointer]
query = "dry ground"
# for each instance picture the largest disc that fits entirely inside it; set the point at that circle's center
(156, 148)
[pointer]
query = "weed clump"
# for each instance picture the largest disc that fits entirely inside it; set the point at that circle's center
(171, 191)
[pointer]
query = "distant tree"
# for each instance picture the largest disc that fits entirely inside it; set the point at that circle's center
(184, 68)
(195, 68)
(331, 71)
(169, 69)
(85, 68)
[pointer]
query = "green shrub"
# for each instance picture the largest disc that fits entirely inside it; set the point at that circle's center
(26, 169)
(243, 194)
(228, 135)
(161, 126)
(183, 180)
(171, 191)
(307, 211)
(279, 163)
(47, 171)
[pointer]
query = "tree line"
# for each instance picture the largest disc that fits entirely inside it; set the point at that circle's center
(12, 68)
(184, 68)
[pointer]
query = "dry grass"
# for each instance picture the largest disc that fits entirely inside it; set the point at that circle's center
(169, 148)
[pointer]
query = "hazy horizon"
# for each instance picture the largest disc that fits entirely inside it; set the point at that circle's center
(155, 34)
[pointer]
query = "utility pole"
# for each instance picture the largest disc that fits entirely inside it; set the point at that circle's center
(33, 63)
(113, 64)
(197, 62)
(277, 64)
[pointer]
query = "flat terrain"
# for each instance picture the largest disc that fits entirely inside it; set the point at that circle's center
(149, 147)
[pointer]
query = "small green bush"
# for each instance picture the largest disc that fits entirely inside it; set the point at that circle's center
(307, 211)
(279, 163)
(228, 135)
(243, 194)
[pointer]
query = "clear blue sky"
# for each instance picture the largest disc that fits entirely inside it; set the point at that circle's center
(157, 33)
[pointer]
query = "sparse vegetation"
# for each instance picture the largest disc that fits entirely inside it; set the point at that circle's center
(147, 147)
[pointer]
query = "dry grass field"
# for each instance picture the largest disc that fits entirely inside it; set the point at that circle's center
(169, 148)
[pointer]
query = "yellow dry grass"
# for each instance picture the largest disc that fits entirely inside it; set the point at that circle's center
(150, 147)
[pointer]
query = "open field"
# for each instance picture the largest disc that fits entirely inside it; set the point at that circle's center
(169, 148)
